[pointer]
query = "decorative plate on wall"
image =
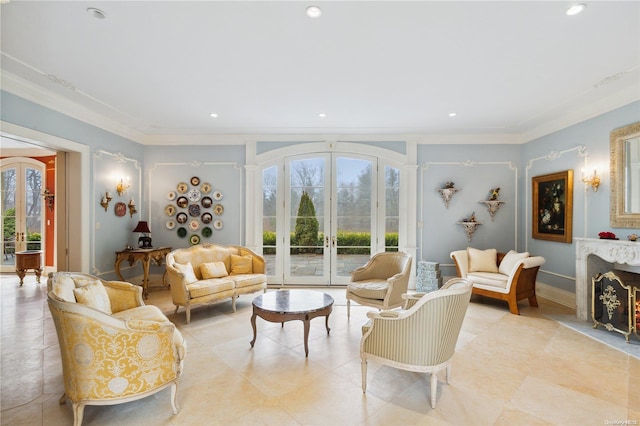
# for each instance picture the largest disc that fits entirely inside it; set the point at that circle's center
(182, 217)
(169, 210)
(194, 240)
(120, 209)
(194, 210)
(217, 195)
(171, 195)
(217, 224)
(194, 195)
(182, 232)
(206, 217)
(194, 225)
(182, 187)
(171, 224)
(206, 202)
(206, 188)
(182, 202)
(206, 232)
(218, 209)
(195, 181)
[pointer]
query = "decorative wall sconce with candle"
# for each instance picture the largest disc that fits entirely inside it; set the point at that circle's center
(132, 207)
(593, 180)
(122, 185)
(49, 198)
(105, 200)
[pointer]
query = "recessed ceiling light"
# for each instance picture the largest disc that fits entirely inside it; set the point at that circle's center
(576, 8)
(452, 114)
(214, 115)
(96, 13)
(322, 115)
(313, 12)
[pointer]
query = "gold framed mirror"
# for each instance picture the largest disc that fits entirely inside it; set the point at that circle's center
(625, 177)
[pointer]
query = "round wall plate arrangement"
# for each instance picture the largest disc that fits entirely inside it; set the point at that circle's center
(217, 195)
(194, 239)
(206, 217)
(182, 232)
(169, 210)
(171, 195)
(217, 224)
(194, 195)
(194, 225)
(218, 209)
(206, 232)
(205, 188)
(171, 224)
(195, 181)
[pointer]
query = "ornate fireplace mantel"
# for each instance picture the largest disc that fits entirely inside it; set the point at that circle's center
(611, 251)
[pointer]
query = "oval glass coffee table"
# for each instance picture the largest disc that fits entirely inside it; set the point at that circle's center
(288, 305)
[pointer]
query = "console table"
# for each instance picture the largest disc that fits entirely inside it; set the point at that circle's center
(28, 259)
(145, 256)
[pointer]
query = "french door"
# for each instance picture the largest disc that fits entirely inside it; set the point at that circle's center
(329, 219)
(22, 208)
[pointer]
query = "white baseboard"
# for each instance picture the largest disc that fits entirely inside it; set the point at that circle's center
(562, 297)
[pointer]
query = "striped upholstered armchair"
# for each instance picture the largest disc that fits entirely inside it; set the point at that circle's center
(420, 338)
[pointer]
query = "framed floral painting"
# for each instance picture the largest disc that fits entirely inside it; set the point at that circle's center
(552, 215)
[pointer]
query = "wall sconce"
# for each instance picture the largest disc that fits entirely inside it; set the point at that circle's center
(593, 180)
(104, 202)
(49, 198)
(122, 186)
(132, 207)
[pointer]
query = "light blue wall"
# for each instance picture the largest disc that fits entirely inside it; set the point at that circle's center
(475, 169)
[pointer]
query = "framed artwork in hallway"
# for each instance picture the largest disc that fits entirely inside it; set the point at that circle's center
(552, 215)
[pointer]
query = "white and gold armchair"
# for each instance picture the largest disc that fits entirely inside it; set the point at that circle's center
(114, 348)
(422, 337)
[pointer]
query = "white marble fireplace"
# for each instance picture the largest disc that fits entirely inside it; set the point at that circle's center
(597, 255)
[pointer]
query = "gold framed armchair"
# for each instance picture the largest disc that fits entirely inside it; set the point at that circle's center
(420, 338)
(381, 282)
(113, 347)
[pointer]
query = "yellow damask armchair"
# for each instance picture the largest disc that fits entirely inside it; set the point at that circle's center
(422, 337)
(114, 348)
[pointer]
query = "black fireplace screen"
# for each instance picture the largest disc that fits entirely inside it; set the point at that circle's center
(613, 302)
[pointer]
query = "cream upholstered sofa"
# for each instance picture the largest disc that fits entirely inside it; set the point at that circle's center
(114, 348)
(381, 282)
(209, 273)
(505, 276)
(422, 337)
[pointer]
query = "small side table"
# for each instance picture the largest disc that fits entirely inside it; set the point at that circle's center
(28, 259)
(145, 256)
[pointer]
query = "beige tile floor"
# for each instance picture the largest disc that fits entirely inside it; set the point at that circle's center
(508, 370)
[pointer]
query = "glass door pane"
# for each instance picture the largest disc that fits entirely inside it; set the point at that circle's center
(354, 216)
(9, 176)
(32, 232)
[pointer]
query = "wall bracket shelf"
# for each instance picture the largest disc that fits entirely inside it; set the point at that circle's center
(446, 194)
(492, 207)
(470, 228)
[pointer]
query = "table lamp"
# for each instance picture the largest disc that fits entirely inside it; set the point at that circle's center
(144, 241)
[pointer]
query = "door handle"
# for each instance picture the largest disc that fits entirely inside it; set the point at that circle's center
(333, 241)
(326, 241)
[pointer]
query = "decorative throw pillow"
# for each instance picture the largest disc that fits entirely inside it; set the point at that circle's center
(510, 260)
(213, 270)
(187, 270)
(63, 288)
(241, 264)
(95, 296)
(482, 260)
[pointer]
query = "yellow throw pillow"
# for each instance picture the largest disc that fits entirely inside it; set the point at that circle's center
(187, 271)
(95, 296)
(213, 270)
(241, 264)
(482, 260)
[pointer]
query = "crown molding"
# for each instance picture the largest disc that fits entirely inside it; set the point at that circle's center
(20, 87)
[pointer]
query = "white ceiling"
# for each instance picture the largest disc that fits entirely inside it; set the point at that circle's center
(155, 70)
